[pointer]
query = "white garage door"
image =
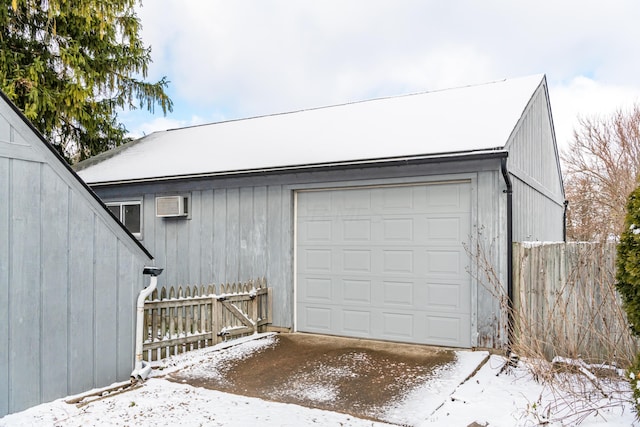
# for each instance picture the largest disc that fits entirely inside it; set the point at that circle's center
(385, 263)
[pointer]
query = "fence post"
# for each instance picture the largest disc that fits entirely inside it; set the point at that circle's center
(217, 310)
(254, 310)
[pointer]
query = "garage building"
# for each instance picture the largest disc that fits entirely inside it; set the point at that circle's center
(365, 218)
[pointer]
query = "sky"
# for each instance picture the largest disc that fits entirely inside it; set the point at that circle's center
(236, 59)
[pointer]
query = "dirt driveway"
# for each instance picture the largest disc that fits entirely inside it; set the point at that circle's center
(353, 376)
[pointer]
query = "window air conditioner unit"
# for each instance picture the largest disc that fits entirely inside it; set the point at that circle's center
(171, 206)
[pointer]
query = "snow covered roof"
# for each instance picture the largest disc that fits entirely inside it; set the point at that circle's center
(439, 123)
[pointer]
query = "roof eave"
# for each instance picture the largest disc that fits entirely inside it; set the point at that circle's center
(494, 153)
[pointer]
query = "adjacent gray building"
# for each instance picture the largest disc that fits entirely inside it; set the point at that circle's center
(69, 276)
(359, 215)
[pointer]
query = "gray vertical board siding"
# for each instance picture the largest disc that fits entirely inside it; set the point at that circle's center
(536, 217)
(194, 240)
(148, 220)
(105, 303)
(491, 229)
(129, 282)
(5, 129)
(183, 246)
(81, 296)
(283, 299)
(156, 239)
(274, 255)
(57, 246)
(538, 194)
(232, 247)
(171, 252)
(5, 244)
(55, 277)
(61, 336)
(207, 275)
(260, 237)
(233, 234)
(105, 277)
(24, 289)
(220, 236)
(245, 261)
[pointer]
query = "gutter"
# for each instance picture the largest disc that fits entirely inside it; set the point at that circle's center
(564, 221)
(319, 167)
(510, 305)
(142, 369)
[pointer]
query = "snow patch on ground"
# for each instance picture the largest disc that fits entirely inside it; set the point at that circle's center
(215, 357)
(489, 397)
(514, 398)
(317, 382)
(423, 401)
(164, 403)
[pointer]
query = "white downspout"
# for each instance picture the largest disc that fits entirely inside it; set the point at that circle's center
(141, 369)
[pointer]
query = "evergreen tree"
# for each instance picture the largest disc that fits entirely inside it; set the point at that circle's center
(628, 281)
(628, 262)
(71, 65)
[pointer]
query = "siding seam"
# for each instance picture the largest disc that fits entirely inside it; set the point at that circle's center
(69, 209)
(93, 298)
(117, 326)
(41, 293)
(10, 281)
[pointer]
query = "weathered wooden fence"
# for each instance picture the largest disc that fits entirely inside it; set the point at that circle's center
(184, 319)
(566, 303)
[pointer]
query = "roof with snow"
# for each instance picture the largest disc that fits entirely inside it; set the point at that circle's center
(464, 120)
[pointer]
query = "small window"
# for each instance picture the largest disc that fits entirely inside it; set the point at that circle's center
(130, 214)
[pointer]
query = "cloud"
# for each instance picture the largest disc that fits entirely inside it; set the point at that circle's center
(240, 59)
(584, 97)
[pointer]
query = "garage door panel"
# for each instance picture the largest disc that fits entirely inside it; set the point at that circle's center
(315, 231)
(398, 261)
(398, 325)
(398, 293)
(356, 292)
(358, 230)
(317, 319)
(317, 289)
(444, 230)
(310, 204)
(356, 322)
(445, 297)
(444, 263)
(385, 263)
(450, 331)
(356, 260)
(448, 198)
(397, 199)
(353, 202)
(317, 260)
(397, 230)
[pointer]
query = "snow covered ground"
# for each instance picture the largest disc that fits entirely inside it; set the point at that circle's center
(507, 399)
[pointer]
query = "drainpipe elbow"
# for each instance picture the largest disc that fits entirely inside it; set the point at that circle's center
(141, 368)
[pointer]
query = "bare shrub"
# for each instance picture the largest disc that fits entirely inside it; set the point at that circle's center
(601, 168)
(568, 325)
